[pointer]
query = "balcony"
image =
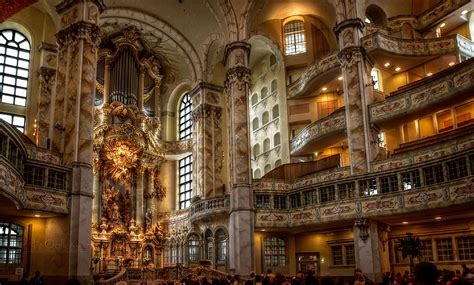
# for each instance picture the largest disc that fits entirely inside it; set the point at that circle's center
(326, 131)
(424, 96)
(428, 18)
(315, 75)
(33, 184)
(382, 48)
(437, 184)
(209, 207)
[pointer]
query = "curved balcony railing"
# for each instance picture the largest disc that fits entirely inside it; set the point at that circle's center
(418, 47)
(209, 207)
(420, 95)
(334, 123)
(429, 17)
(312, 72)
(436, 184)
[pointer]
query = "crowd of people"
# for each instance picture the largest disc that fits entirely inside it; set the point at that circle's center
(425, 273)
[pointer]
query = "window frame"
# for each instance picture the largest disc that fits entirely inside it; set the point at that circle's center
(8, 248)
(294, 35)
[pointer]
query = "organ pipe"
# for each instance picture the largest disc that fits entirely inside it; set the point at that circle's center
(124, 79)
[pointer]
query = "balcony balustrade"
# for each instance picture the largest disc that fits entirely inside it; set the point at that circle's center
(209, 207)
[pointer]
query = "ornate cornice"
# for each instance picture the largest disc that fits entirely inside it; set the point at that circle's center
(79, 31)
(236, 45)
(206, 110)
(350, 56)
(205, 85)
(237, 75)
(348, 23)
(48, 47)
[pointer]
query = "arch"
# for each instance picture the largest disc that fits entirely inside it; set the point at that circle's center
(15, 49)
(184, 117)
(254, 99)
(376, 15)
(276, 139)
(257, 173)
(150, 25)
(209, 244)
(267, 168)
(265, 118)
(274, 85)
(263, 93)
(176, 95)
(256, 149)
(294, 35)
(193, 241)
(221, 246)
(275, 112)
(266, 145)
(255, 124)
(277, 162)
(273, 61)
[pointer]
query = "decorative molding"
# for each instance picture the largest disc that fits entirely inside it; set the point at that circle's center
(363, 226)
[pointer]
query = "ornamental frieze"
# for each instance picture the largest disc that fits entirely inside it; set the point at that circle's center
(350, 56)
(71, 35)
(380, 205)
(237, 76)
(206, 110)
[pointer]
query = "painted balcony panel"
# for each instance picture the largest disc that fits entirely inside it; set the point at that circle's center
(418, 98)
(401, 200)
(329, 128)
(429, 17)
(316, 74)
(421, 47)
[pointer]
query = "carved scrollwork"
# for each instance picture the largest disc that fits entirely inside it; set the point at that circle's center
(205, 111)
(237, 76)
(79, 31)
(350, 56)
(363, 225)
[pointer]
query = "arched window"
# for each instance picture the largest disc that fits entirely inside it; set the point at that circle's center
(185, 179)
(257, 173)
(276, 139)
(375, 73)
(193, 248)
(256, 149)
(265, 118)
(254, 99)
(185, 122)
(255, 124)
(266, 145)
(14, 66)
(148, 254)
(274, 85)
(274, 251)
(295, 42)
(185, 164)
(263, 92)
(173, 252)
(267, 168)
(277, 162)
(209, 245)
(375, 15)
(11, 243)
(275, 112)
(221, 246)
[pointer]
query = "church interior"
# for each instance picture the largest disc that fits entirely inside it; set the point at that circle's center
(144, 140)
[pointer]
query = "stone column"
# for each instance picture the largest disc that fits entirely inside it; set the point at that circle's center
(241, 222)
(371, 248)
(140, 212)
(47, 78)
(78, 39)
(357, 86)
(96, 200)
(207, 142)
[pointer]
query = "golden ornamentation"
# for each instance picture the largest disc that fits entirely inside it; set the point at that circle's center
(121, 158)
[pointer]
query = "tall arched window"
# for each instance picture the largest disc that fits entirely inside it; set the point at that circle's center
(274, 251)
(295, 42)
(263, 93)
(14, 65)
(267, 168)
(255, 124)
(275, 112)
(256, 149)
(254, 99)
(11, 243)
(257, 173)
(185, 164)
(185, 123)
(221, 246)
(274, 85)
(14, 68)
(276, 139)
(209, 240)
(193, 248)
